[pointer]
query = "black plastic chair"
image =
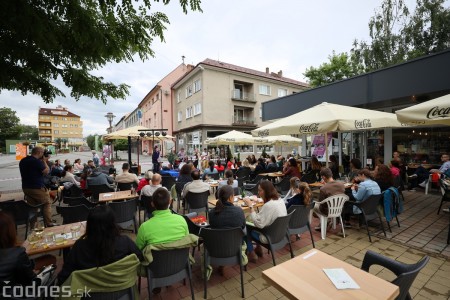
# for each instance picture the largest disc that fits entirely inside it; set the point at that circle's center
(125, 213)
(243, 172)
(73, 214)
(98, 189)
(167, 268)
(445, 190)
(283, 186)
(370, 211)
(197, 202)
(249, 185)
(242, 180)
(167, 181)
(299, 222)
(276, 235)
(146, 205)
(22, 212)
(126, 186)
(73, 201)
(222, 247)
(406, 274)
(194, 229)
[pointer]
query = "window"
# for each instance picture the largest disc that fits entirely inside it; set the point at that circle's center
(264, 89)
(180, 116)
(189, 91)
(197, 109)
(197, 85)
(55, 125)
(189, 112)
(179, 97)
(282, 92)
(56, 118)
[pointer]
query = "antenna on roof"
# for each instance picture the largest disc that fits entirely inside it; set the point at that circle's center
(182, 58)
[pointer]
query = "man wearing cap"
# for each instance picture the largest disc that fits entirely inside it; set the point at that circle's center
(126, 176)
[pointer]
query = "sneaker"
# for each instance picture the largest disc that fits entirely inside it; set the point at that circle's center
(412, 176)
(446, 210)
(423, 184)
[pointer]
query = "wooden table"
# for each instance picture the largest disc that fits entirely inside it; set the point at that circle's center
(115, 196)
(273, 174)
(303, 278)
(41, 247)
(238, 203)
(315, 185)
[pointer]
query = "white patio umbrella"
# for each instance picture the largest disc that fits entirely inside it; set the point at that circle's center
(134, 132)
(329, 117)
(236, 138)
(436, 111)
(284, 140)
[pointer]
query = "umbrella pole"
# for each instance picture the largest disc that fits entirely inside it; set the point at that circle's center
(129, 150)
(137, 148)
(326, 149)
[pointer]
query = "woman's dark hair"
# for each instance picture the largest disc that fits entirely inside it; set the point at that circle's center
(224, 193)
(365, 172)
(211, 165)
(186, 169)
(101, 232)
(77, 160)
(315, 164)
(270, 192)
(293, 162)
(306, 192)
(273, 159)
(229, 177)
(67, 168)
(395, 163)
(384, 174)
(356, 163)
(219, 164)
(333, 158)
(7, 231)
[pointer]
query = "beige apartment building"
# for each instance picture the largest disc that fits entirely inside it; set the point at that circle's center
(216, 97)
(156, 107)
(60, 123)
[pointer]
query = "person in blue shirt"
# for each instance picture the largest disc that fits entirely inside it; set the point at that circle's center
(366, 188)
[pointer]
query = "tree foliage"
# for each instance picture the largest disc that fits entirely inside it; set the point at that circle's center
(28, 132)
(43, 41)
(9, 125)
(120, 145)
(90, 141)
(396, 36)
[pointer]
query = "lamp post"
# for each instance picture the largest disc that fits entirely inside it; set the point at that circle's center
(110, 117)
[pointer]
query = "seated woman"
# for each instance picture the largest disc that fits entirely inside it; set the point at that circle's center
(101, 245)
(355, 166)
(144, 181)
(260, 166)
(231, 164)
(67, 176)
(219, 166)
(313, 175)
(292, 189)
(273, 208)
(272, 165)
(334, 166)
(78, 166)
(228, 180)
(292, 169)
(16, 268)
(395, 168)
(210, 170)
(302, 194)
(383, 177)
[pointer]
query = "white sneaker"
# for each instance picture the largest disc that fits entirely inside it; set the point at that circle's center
(446, 210)
(423, 184)
(412, 176)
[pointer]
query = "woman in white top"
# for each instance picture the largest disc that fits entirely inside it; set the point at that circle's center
(273, 208)
(78, 166)
(67, 176)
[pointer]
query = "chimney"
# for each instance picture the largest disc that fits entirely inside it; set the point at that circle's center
(280, 73)
(267, 70)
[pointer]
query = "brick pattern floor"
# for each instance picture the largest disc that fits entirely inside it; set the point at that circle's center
(421, 232)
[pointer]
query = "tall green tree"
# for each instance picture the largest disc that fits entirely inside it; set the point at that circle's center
(28, 132)
(9, 125)
(90, 140)
(42, 41)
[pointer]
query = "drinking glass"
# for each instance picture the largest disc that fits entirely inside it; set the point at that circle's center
(75, 230)
(49, 238)
(39, 229)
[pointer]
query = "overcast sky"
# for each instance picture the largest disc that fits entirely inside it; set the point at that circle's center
(288, 35)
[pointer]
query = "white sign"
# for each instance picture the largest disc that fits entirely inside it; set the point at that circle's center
(180, 142)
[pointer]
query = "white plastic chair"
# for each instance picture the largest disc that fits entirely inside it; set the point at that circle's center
(335, 205)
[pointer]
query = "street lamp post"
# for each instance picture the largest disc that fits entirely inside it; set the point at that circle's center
(110, 117)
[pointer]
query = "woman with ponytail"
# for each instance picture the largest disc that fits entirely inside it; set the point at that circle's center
(302, 194)
(67, 176)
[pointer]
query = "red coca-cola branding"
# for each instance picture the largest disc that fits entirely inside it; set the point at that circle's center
(313, 127)
(437, 112)
(361, 124)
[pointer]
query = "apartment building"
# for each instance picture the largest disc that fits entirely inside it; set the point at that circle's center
(156, 107)
(216, 97)
(59, 123)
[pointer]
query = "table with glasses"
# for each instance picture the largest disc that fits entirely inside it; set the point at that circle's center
(54, 238)
(116, 196)
(303, 277)
(238, 201)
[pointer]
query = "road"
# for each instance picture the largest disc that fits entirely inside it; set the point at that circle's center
(10, 180)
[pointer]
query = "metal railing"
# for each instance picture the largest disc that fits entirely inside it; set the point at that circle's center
(237, 94)
(243, 121)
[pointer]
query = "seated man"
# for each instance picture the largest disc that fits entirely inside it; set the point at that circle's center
(99, 178)
(164, 226)
(149, 189)
(126, 176)
(330, 188)
(196, 185)
(89, 167)
(421, 175)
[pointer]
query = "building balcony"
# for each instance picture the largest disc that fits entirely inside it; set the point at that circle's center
(243, 121)
(239, 95)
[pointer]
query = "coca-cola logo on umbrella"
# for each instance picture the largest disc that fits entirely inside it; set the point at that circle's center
(437, 112)
(263, 133)
(313, 127)
(361, 124)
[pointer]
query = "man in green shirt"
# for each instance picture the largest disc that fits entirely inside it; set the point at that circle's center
(164, 227)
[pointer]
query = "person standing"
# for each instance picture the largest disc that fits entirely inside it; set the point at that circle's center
(155, 160)
(33, 168)
(95, 158)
